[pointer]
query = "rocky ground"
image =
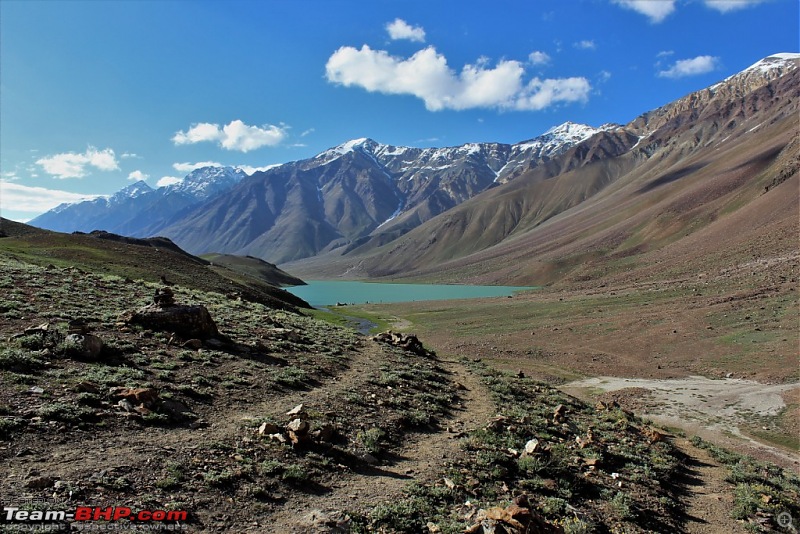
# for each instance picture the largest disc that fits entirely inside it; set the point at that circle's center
(279, 422)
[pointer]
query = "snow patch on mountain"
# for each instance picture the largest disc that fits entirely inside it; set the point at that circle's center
(207, 181)
(769, 68)
(134, 190)
(776, 61)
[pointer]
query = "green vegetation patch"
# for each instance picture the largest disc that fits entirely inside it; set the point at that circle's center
(585, 468)
(763, 491)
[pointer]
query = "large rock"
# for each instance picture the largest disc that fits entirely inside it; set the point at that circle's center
(83, 346)
(187, 321)
(408, 342)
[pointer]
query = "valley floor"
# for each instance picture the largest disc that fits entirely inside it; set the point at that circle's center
(290, 424)
(715, 357)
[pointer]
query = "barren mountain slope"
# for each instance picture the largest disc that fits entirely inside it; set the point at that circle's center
(612, 206)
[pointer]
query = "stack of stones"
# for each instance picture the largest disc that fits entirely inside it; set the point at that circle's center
(164, 297)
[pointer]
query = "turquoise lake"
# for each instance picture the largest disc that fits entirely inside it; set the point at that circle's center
(327, 293)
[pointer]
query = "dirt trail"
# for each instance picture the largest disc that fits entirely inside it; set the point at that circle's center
(709, 497)
(65, 459)
(419, 459)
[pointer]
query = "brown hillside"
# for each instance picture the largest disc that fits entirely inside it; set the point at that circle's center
(137, 259)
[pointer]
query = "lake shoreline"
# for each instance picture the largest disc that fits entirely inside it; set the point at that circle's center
(320, 293)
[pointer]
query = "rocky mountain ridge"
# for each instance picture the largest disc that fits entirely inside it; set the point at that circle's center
(345, 194)
(138, 209)
(357, 197)
(625, 193)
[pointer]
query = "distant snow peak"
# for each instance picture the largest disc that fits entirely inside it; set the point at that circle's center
(364, 145)
(206, 181)
(354, 144)
(563, 136)
(770, 67)
(132, 191)
(783, 60)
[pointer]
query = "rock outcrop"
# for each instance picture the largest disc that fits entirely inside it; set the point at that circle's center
(408, 342)
(187, 321)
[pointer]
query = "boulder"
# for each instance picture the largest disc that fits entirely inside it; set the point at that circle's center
(83, 346)
(408, 342)
(298, 426)
(188, 321)
(559, 414)
(516, 518)
(147, 397)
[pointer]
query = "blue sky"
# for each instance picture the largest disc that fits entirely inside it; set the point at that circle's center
(97, 94)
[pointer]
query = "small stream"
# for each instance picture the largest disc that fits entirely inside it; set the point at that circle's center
(360, 325)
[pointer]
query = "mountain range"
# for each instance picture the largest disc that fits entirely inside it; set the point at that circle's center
(535, 211)
(138, 209)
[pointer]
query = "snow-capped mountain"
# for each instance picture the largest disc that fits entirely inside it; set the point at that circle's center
(707, 102)
(362, 194)
(360, 186)
(359, 192)
(132, 191)
(406, 163)
(138, 209)
(206, 182)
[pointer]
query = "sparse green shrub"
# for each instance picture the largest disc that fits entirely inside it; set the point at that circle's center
(223, 477)
(387, 379)
(406, 515)
(622, 506)
(110, 375)
(174, 477)
(156, 418)
(554, 506)
(532, 465)
(371, 439)
(19, 361)
(415, 418)
(9, 425)
(295, 473)
(67, 413)
(290, 376)
(574, 525)
(270, 468)
(31, 342)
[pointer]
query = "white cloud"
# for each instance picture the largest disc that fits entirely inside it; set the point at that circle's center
(137, 175)
(189, 167)
(10, 176)
(658, 10)
(203, 131)
(427, 76)
(72, 165)
(691, 67)
(236, 135)
(24, 198)
(586, 45)
(540, 94)
(400, 29)
(724, 6)
(241, 137)
(128, 155)
(655, 10)
(168, 180)
(538, 58)
(307, 132)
